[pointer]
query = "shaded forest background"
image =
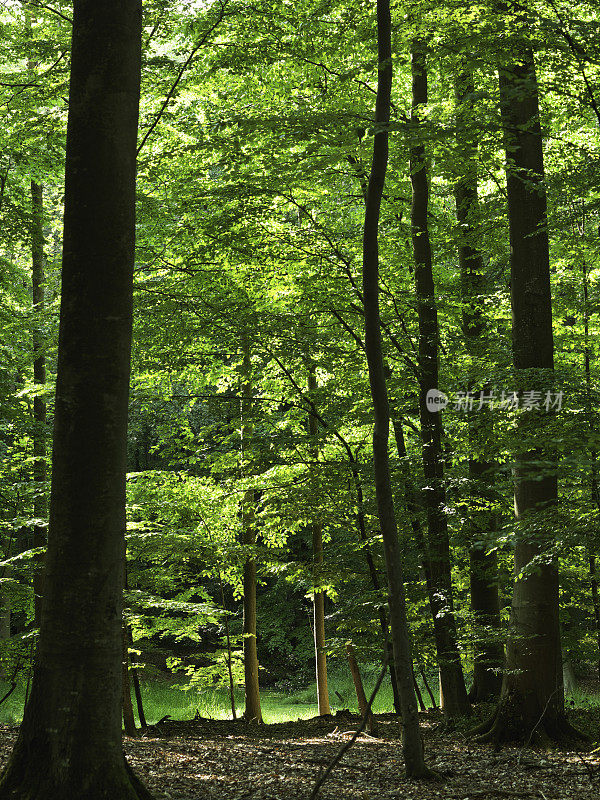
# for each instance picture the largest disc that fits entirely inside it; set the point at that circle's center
(250, 418)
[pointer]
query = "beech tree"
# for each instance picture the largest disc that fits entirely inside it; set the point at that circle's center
(412, 744)
(252, 711)
(69, 744)
(483, 567)
(39, 376)
(317, 543)
(453, 694)
(532, 698)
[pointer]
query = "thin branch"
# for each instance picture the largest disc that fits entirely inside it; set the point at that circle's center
(48, 8)
(183, 68)
(344, 749)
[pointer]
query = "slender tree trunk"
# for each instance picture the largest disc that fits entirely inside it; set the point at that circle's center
(456, 702)
(69, 744)
(412, 742)
(5, 608)
(229, 657)
(359, 689)
(318, 596)
(532, 701)
(485, 601)
(594, 487)
(428, 688)
(595, 601)
(252, 712)
(5, 599)
(136, 685)
(39, 379)
(128, 718)
(383, 620)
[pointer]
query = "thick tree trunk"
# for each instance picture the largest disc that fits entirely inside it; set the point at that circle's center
(318, 596)
(456, 702)
(39, 379)
(69, 744)
(485, 602)
(252, 712)
(532, 701)
(412, 742)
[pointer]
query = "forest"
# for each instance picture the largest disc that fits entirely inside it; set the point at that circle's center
(299, 399)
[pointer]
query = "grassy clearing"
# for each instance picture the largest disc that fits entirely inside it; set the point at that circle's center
(162, 698)
(278, 705)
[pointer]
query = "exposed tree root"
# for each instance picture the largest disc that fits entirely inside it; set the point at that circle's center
(142, 792)
(426, 774)
(508, 724)
(24, 780)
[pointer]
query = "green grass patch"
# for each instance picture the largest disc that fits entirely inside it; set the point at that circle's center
(162, 698)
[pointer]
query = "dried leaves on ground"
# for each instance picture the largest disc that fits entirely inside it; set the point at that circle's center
(225, 760)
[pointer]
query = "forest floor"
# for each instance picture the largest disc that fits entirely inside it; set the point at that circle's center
(227, 760)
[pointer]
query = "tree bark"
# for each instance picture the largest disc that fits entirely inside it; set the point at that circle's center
(595, 601)
(592, 422)
(361, 698)
(128, 718)
(318, 596)
(456, 702)
(383, 620)
(412, 742)
(252, 712)
(39, 379)
(532, 701)
(136, 685)
(229, 657)
(69, 744)
(483, 569)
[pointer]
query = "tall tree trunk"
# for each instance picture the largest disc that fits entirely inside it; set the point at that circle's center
(229, 655)
(532, 699)
(594, 487)
(39, 379)
(383, 620)
(595, 601)
(412, 742)
(483, 568)
(318, 596)
(456, 702)
(252, 712)
(69, 744)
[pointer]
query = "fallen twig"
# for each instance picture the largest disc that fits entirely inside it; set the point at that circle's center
(341, 752)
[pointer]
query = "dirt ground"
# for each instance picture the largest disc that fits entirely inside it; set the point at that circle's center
(224, 760)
